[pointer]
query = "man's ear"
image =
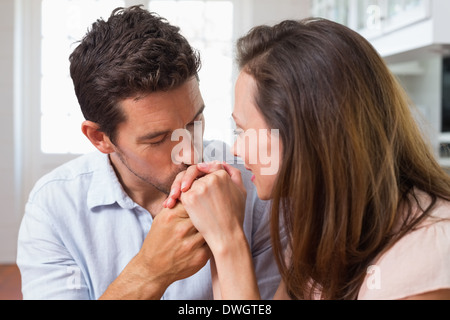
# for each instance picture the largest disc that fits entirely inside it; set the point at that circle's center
(98, 138)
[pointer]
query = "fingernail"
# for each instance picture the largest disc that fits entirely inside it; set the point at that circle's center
(183, 186)
(172, 192)
(203, 165)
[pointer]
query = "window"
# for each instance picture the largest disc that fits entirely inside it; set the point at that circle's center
(335, 10)
(208, 26)
(372, 18)
(63, 24)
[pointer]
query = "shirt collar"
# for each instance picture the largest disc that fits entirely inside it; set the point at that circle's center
(105, 188)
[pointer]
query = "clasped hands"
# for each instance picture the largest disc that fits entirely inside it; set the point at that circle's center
(213, 195)
(212, 210)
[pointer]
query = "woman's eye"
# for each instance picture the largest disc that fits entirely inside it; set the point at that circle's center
(237, 131)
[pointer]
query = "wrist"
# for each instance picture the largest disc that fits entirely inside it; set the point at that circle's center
(136, 282)
(235, 271)
(228, 245)
(152, 282)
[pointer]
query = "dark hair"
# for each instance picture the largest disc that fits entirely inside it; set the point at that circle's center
(134, 52)
(352, 153)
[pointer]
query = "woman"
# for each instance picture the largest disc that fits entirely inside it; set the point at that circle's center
(364, 203)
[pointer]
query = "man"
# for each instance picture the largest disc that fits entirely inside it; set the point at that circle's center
(95, 228)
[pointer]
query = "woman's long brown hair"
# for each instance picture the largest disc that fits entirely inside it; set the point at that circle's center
(352, 153)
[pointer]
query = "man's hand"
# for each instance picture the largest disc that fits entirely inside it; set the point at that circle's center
(173, 250)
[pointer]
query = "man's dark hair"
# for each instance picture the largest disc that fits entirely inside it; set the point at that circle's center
(135, 52)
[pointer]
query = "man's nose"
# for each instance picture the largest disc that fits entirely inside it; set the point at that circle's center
(189, 150)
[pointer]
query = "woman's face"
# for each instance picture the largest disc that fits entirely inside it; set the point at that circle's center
(256, 144)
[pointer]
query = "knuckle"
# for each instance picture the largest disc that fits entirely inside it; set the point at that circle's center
(169, 217)
(199, 193)
(199, 189)
(186, 246)
(179, 210)
(214, 178)
(181, 230)
(222, 174)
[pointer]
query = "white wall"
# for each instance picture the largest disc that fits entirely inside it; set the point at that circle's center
(440, 11)
(426, 37)
(271, 12)
(423, 45)
(424, 87)
(10, 212)
(251, 13)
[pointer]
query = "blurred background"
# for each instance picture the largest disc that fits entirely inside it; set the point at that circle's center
(40, 117)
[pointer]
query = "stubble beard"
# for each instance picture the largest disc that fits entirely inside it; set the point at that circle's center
(163, 187)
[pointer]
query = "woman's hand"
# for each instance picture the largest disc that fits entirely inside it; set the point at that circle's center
(216, 205)
(184, 180)
(214, 196)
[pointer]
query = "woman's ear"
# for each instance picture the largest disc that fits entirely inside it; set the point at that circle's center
(98, 138)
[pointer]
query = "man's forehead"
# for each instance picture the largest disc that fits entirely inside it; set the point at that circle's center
(149, 114)
(186, 96)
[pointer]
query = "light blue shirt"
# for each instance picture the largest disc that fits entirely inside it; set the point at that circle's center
(80, 230)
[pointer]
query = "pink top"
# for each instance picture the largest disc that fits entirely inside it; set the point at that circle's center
(417, 263)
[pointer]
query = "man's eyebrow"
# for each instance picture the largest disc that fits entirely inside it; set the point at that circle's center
(153, 135)
(198, 113)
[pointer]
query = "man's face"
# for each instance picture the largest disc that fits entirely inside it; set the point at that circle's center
(143, 142)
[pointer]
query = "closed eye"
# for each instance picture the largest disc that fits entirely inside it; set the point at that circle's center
(159, 142)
